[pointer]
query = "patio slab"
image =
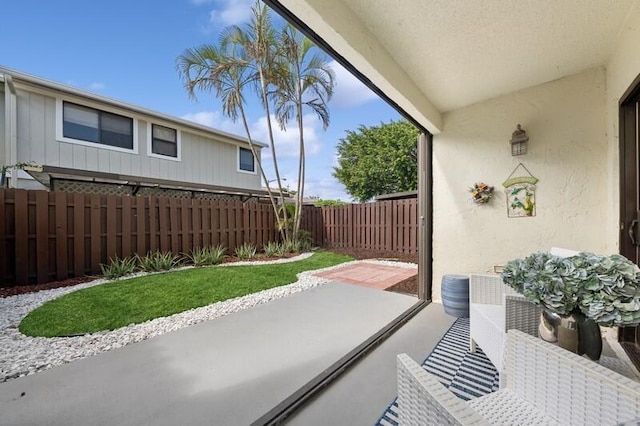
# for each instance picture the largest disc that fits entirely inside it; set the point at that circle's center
(229, 371)
(370, 275)
(362, 393)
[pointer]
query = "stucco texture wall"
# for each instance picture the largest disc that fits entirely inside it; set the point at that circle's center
(622, 68)
(566, 122)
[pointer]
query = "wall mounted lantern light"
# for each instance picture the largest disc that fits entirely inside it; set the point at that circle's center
(519, 141)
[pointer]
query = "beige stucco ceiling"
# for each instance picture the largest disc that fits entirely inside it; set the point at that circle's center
(433, 56)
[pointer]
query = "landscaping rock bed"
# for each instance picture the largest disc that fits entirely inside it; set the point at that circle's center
(21, 355)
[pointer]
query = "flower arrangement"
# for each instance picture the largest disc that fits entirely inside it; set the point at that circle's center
(481, 193)
(603, 288)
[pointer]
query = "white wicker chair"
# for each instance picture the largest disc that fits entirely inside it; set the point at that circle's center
(545, 385)
(495, 308)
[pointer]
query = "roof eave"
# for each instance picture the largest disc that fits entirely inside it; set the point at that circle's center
(52, 85)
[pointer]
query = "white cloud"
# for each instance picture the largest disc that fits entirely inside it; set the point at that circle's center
(216, 120)
(229, 12)
(96, 86)
(287, 141)
(325, 188)
(349, 91)
(206, 118)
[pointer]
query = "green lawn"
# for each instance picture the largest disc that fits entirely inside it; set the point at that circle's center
(132, 301)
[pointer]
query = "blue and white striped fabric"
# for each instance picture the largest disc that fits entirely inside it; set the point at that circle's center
(468, 375)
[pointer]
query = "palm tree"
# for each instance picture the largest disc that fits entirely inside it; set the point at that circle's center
(258, 43)
(243, 60)
(304, 80)
(208, 69)
(281, 68)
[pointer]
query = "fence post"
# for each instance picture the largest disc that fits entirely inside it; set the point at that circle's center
(125, 211)
(62, 265)
(173, 227)
(95, 234)
(246, 224)
(78, 234)
(21, 235)
(112, 231)
(42, 236)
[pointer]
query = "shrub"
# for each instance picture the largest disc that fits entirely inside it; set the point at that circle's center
(272, 249)
(291, 245)
(118, 267)
(328, 203)
(305, 245)
(281, 249)
(158, 261)
(246, 251)
(306, 240)
(210, 255)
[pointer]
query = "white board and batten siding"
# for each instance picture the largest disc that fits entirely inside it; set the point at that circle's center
(3, 148)
(204, 157)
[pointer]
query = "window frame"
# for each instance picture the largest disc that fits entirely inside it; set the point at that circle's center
(255, 167)
(152, 154)
(98, 107)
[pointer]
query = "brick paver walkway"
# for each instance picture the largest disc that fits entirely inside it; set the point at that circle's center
(370, 275)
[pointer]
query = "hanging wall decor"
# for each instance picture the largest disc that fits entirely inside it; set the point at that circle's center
(520, 189)
(481, 193)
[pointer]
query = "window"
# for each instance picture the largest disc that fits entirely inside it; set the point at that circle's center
(164, 141)
(93, 125)
(246, 160)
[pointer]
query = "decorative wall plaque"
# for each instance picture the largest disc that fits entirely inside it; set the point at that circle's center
(521, 192)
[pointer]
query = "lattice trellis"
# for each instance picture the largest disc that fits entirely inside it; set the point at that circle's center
(94, 188)
(212, 196)
(161, 192)
(91, 188)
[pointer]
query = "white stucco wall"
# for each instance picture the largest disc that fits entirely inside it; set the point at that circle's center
(568, 151)
(623, 67)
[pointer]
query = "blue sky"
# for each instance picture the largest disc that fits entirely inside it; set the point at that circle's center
(127, 50)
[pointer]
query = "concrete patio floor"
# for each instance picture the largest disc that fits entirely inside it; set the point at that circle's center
(360, 396)
(228, 371)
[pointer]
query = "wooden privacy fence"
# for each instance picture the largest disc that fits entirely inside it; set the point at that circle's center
(389, 226)
(47, 236)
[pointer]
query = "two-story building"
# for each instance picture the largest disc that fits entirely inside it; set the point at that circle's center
(83, 142)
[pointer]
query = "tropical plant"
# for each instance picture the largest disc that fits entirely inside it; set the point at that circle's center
(158, 261)
(280, 69)
(378, 160)
(209, 255)
(271, 249)
(281, 249)
(306, 240)
(291, 246)
(246, 251)
(227, 73)
(305, 81)
(118, 267)
(603, 288)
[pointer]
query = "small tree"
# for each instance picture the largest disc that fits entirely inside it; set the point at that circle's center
(378, 160)
(305, 81)
(282, 70)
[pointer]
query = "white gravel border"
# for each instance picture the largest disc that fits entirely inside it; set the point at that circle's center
(21, 355)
